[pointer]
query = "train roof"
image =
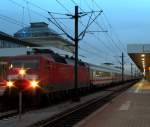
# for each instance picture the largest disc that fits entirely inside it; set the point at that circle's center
(50, 55)
(62, 57)
(104, 68)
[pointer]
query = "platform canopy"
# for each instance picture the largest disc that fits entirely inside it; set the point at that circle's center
(140, 54)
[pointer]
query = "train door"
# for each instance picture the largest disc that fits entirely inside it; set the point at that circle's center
(48, 74)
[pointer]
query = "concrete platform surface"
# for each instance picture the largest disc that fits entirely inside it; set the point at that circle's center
(130, 109)
(35, 116)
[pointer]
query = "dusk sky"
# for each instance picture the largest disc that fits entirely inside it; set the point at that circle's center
(127, 21)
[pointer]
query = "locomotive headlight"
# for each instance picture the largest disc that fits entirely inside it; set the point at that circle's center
(10, 84)
(34, 84)
(22, 72)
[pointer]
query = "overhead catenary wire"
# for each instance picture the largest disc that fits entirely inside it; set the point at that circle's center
(49, 12)
(89, 52)
(100, 28)
(35, 5)
(110, 26)
(65, 9)
(23, 17)
(44, 9)
(35, 12)
(113, 42)
(29, 14)
(44, 16)
(59, 26)
(54, 13)
(11, 20)
(110, 38)
(82, 23)
(70, 12)
(96, 51)
(89, 23)
(94, 21)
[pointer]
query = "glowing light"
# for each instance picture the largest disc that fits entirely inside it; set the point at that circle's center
(11, 66)
(143, 55)
(142, 59)
(144, 72)
(22, 72)
(34, 84)
(10, 84)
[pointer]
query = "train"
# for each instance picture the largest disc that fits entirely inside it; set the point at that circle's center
(47, 72)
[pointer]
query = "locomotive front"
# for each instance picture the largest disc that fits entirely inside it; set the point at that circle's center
(23, 73)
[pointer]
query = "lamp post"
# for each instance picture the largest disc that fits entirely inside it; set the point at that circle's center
(21, 74)
(20, 103)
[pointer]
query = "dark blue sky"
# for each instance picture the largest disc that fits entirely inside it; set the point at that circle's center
(129, 19)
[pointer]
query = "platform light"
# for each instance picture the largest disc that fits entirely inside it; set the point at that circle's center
(144, 72)
(10, 84)
(143, 55)
(143, 59)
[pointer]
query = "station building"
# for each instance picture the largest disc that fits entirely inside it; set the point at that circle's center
(7, 41)
(39, 33)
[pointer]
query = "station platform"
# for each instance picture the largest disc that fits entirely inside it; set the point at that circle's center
(130, 109)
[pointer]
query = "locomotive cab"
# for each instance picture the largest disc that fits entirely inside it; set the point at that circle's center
(23, 69)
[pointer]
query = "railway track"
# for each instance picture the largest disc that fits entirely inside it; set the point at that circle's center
(77, 113)
(6, 111)
(7, 114)
(73, 115)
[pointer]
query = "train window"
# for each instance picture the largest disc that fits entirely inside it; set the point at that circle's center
(25, 63)
(102, 74)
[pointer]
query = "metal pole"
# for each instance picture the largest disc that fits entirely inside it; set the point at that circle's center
(20, 104)
(76, 94)
(131, 71)
(122, 67)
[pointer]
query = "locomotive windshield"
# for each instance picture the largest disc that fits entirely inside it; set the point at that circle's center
(25, 63)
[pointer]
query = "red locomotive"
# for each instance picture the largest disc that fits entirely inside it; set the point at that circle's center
(49, 72)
